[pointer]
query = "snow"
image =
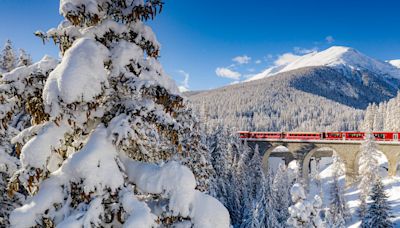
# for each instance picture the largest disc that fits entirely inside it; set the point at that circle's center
(8, 164)
(49, 194)
(177, 182)
(140, 213)
(338, 57)
(18, 75)
(38, 150)
(80, 76)
(91, 166)
(122, 55)
(392, 187)
(208, 212)
(395, 62)
(101, 173)
(66, 6)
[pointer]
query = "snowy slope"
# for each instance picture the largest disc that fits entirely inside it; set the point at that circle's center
(392, 187)
(338, 57)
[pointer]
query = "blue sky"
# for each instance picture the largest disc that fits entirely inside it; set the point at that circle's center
(199, 37)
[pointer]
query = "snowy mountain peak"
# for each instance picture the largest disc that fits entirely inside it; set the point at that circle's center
(395, 62)
(340, 57)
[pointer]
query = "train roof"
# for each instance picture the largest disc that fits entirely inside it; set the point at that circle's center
(302, 132)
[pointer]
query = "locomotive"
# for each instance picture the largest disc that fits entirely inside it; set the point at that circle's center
(340, 135)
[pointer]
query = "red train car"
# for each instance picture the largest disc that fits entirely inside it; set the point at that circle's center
(244, 134)
(303, 135)
(273, 135)
(354, 135)
(385, 136)
(350, 135)
(333, 135)
(265, 135)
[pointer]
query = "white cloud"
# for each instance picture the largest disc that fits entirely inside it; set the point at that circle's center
(184, 85)
(329, 39)
(227, 73)
(286, 59)
(244, 59)
(258, 61)
(303, 51)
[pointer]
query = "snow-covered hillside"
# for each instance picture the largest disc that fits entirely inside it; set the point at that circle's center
(325, 177)
(344, 58)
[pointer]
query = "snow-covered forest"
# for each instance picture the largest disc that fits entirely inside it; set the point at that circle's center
(280, 199)
(384, 116)
(282, 103)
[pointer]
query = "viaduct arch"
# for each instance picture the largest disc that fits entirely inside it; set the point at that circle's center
(304, 151)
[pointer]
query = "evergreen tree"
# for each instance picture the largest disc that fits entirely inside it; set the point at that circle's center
(20, 107)
(368, 170)
(117, 129)
(8, 62)
(299, 211)
(24, 59)
(378, 213)
(304, 213)
(281, 194)
(259, 210)
(338, 211)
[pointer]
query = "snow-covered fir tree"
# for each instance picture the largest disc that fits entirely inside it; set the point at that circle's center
(378, 212)
(241, 201)
(281, 194)
(221, 146)
(338, 211)
(24, 59)
(8, 59)
(368, 170)
(20, 107)
(304, 213)
(112, 149)
(240, 181)
(259, 212)
(316, 219)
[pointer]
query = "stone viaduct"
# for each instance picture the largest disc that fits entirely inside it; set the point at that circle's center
(304, 150)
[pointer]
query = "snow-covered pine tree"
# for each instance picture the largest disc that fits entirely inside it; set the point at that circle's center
(235, 203)
(20, 107)
(338, 211)
(378, 213)
(241, 203)
(24, 59)
(368, 170)
(221, 161)
(108, 153)
(300, 210)
(281, 195)
(8, 60)
(304, 213)
(259, 212)
(316, 219)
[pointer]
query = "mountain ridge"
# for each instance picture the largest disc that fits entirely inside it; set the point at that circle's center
(340, 57)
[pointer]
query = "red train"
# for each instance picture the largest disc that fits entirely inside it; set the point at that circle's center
(345, 135)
